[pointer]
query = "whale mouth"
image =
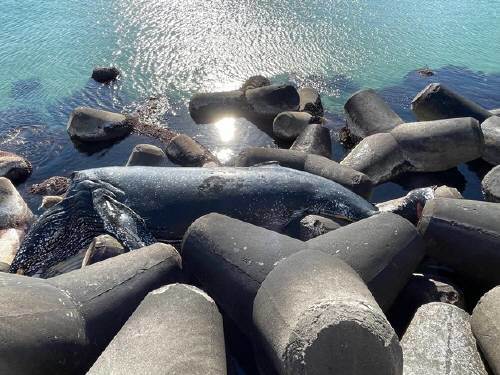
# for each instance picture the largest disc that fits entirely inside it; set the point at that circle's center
(90, 208)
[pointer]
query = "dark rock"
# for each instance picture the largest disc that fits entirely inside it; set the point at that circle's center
(439, 340)
(14, 167)
(177, 329)
(314, 314)
(255, 82)
(105, 74)
(486, 327)
(314, 139)
(310, 101)
(436, 102)
(185, 151)
(88, 125)
(313, 226)
(55, 185)
(367, 114)
(146, 155)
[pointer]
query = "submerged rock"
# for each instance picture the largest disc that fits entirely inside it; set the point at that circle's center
(55, 185)
(14, 167)
(310, 101)
(439, 341)
(146, 155)
(105, 74)
(187, 152)
(177, 329)
(88, 124)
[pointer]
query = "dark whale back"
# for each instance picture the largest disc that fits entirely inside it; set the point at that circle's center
(170, 199)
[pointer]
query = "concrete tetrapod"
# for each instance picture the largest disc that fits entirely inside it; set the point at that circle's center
(314, 139)
(439, 341)
(177, 329)
(185, 151)
(314, 164)
(491, 133)
(436, 102)
(431, 146)
(486, 327)
(314, 315)
(287, 126)
(367, 114)
(464, 235)
(310, 101)
(60, 325)
(231, 258)
(146, 155)
(491, 185)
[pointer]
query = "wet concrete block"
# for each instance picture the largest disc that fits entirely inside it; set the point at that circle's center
(314, 139)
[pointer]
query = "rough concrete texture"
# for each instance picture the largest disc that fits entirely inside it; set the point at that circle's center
(491, 133)
(464, 235)
(88, 124)
(62, 324)
(486, 327)
(177, 329)
(378, 156)
(14, 212)
(367, 114)
(491, 185)
(315, 315)
(436, 102)
(146, 155)
(310, 101)
(314, 164)
(313, 226)
(185, 151)
(439, 341)
(314, 139)
(287, 126)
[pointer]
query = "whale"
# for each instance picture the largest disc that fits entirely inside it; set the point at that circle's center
(142, 205)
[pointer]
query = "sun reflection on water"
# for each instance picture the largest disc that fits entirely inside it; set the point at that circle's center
(226, 129)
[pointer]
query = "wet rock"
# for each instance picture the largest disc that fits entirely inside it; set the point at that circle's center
(88, 124)
(231, 258)
(430, 146)
(105, 74)
(491, 133)
(10, 241)
(314, 164)
(255, 82)
(486, 327)
(314, 314)
(491, 185)
(288, 125)
(14, 167)
(102, 248)
(313, 226)
(146, 155)
(206, 108)
(436, 102)
(310, 101)
(62, 324)
(177, 329)
(14, 212)
(49, 201)
(185, 151)
(464, 235)
(439, 341)
(367, 114)
(55, 185)
(314, 139)
(269, 101)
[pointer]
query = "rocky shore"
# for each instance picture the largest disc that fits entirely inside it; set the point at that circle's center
(275, 262)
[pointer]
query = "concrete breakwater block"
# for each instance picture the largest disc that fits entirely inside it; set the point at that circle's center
(496, 112)
(313, 226)
(491, 133)
(430, 146)
(14, 212)
(185, 151)
(486, 327)
(264, 102)
(437, 101)
(439, 341)
(61, 325)
(310, 101)
(177, 329)
(367, 114)
(231, 258)
(14, 167)
(314, 164)
(146, 155)
(314, 139)
(491, 185)
(88, 124)
(464, 235)
(313, 314)
(287, 126)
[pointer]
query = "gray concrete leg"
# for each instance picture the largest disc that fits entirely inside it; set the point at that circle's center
(209, 107)
(314, 139)
(491, 133)
(269, 101)
(146, 155)
(287, 126)
(310, 101)
(185, 151)
(491, 185)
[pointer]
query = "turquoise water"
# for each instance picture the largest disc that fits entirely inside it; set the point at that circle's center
(173, 48)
